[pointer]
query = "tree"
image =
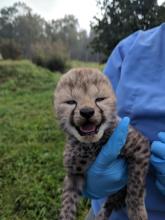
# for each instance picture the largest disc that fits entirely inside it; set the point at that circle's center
(65, 29)
(76, 41)
(19, 26)
(122, 17)
(29, 29)
(7, 16)
(21, 31)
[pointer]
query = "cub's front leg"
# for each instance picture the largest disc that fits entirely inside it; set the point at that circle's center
(73, 185)
(137, 152)
(76, 160)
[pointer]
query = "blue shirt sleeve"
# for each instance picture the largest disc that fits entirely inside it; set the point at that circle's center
(113, 66)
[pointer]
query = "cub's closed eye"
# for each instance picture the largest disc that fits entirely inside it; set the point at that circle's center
(100, 99)
(71, 102)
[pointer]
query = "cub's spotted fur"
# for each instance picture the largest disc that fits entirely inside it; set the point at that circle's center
(85, 107)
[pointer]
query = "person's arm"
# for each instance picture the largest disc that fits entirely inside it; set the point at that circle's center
(108, 174)
(113, 67)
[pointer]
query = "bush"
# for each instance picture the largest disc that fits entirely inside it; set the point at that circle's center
(52, 56)
(53, 63)
(9, 49)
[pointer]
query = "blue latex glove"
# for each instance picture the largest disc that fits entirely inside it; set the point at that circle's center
(158, 161)
(108, 173)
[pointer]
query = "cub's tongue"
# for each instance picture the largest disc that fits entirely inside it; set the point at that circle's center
(88, 128)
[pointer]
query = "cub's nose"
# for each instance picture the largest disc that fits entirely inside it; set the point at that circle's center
(87, 112)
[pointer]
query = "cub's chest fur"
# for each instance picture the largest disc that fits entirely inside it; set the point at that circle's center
(85, 106)
(79, 156)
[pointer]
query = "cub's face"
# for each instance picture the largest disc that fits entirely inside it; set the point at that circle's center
(84, 104)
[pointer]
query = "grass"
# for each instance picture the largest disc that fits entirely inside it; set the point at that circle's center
(75, 63)
(31, 144)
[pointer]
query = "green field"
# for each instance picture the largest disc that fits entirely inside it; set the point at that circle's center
(31, 144)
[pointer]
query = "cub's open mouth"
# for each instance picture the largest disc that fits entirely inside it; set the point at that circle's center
(88, 129)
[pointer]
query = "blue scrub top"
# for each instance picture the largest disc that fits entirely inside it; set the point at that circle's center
(136, 69)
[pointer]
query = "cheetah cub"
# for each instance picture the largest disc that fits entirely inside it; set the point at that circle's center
(85, 107)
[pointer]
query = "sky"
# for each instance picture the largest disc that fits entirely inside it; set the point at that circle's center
(84, 10)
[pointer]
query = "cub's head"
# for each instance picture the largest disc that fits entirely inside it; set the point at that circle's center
(84, 104)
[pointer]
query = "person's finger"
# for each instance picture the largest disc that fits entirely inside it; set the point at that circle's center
(158, 149)
(157, 163)
(161, 136)
(112, 148)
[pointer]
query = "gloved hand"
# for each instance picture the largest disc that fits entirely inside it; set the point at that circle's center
(108, 173)
(158, 161)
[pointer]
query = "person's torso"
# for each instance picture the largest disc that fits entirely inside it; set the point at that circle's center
(141, 96)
